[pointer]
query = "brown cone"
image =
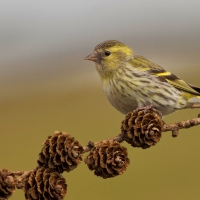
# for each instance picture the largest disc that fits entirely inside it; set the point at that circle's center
(142, 128)
(7, 184)
(60, 152)
(108, 159)
(44, 184)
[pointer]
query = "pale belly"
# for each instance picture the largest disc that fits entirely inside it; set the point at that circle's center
(148, 95)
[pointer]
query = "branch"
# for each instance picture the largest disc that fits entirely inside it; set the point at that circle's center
(141, 128)
(133, 121)
(195, 105)
(175, 127)
(91, 144)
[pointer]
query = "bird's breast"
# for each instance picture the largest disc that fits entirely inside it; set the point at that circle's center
(119, 95)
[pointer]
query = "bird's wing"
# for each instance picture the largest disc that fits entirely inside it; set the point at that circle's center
(144, 64)
(163, 75)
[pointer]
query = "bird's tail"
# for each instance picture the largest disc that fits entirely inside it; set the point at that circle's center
(195, 88)
(196, 98)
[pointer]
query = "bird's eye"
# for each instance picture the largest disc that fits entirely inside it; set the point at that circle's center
(107, 53)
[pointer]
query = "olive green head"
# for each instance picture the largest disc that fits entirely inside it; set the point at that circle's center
(110, 55)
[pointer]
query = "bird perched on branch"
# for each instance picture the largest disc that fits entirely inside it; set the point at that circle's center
(131, 81)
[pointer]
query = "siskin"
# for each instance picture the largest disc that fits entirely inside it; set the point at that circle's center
(131, 81)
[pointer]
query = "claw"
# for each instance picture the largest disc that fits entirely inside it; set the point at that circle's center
(151, 106)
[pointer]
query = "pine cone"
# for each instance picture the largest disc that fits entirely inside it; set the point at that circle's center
(108, 159)
(60, 152)
(44, 184)
(142, 128)
(7, 184)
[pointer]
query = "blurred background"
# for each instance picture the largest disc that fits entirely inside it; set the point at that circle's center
(45, 85)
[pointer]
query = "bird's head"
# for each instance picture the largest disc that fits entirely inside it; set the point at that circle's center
(109, 56)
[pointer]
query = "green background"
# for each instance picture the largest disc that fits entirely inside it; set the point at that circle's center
(51, 88)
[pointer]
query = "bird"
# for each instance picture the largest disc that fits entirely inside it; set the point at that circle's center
(131, 81)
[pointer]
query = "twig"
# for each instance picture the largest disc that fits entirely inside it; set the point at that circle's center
(175, 127)
(91, 144)
(20, 175)
(16, 173)
(180, 125)
(195, 105)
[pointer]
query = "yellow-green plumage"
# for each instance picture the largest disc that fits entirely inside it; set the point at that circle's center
(131, 81)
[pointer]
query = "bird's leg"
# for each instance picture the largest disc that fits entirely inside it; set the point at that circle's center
(145, 108)
(151, 106)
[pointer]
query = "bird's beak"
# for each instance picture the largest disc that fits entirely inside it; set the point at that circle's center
(92, 57)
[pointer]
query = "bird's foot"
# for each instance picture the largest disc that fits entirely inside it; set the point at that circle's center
(151, 106)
